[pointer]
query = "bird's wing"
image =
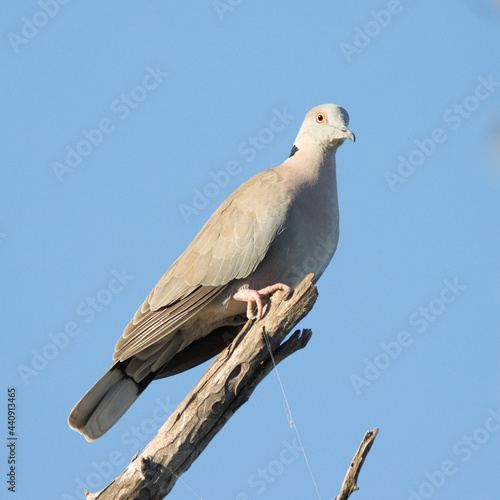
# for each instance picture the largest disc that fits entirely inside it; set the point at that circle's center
(229, 246)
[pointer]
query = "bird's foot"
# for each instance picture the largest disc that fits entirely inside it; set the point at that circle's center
(254, 298)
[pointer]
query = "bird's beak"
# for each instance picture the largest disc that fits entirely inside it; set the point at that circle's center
(348, 134)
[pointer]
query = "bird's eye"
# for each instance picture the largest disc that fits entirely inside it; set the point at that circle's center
(321, 117)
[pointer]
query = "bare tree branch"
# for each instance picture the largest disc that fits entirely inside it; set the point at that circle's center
(225, 386)
(351, 479)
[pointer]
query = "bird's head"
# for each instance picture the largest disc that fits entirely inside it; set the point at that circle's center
(327, 125)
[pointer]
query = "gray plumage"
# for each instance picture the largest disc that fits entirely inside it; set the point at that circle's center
(277, 227)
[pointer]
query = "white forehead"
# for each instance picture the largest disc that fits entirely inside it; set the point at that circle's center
(336, 114)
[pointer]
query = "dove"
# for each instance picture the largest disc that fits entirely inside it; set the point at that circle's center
(271, 232)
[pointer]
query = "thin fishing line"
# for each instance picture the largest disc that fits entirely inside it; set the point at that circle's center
(185, 484)
(290, 417)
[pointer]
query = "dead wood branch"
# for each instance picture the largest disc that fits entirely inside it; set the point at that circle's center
(351, 479)
(225, 386)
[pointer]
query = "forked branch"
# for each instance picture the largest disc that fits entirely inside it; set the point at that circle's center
(225, 386)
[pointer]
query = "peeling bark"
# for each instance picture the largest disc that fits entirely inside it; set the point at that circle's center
(225, 386)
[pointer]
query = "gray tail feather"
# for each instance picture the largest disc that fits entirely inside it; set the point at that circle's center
(106, 402)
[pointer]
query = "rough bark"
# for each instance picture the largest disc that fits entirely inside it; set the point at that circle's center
(225, 386)
(350, 483)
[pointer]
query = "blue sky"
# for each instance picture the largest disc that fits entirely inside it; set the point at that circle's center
(125, 124)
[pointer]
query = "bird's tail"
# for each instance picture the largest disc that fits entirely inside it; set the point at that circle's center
(106, 402)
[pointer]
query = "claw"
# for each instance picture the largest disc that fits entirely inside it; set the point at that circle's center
(254, 298)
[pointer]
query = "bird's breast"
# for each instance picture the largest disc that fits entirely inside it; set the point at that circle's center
(306, 244)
